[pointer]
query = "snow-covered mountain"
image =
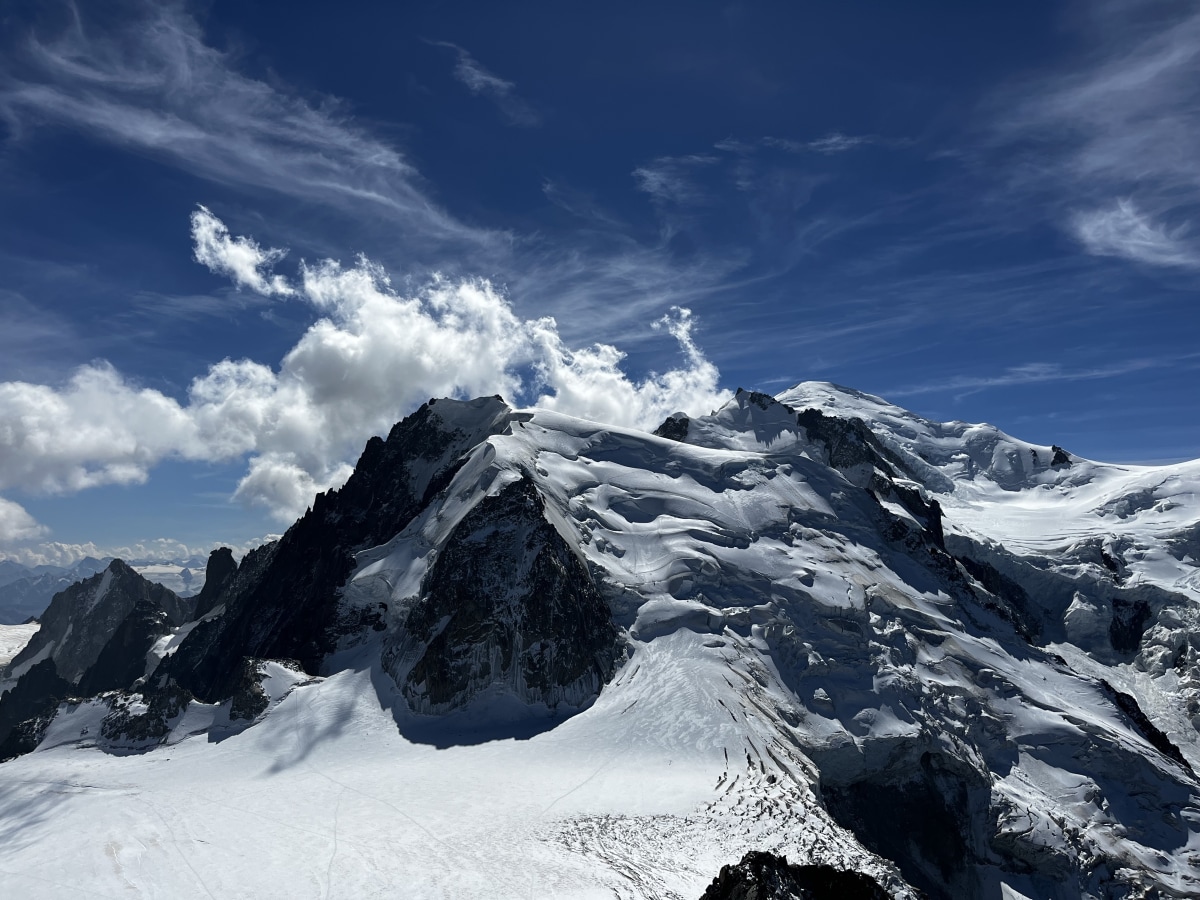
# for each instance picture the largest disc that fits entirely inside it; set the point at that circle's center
(521, 654)
(26, 592)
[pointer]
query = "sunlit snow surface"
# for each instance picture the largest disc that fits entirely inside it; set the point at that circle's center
(13, 639)
(1003, 489)
(769, 627)
(325, 798)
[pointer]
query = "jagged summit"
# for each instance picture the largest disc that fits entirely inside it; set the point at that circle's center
(585, 659)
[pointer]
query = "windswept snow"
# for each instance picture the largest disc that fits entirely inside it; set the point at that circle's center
(13, 639)
(327, 798)
(789, 633)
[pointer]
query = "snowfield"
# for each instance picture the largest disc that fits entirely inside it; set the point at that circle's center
(13, 638)
(802, 647)
(327, 798)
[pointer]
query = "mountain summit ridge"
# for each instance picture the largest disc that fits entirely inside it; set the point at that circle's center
(647, 655)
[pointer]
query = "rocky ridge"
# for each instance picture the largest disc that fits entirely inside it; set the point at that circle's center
(864, 593)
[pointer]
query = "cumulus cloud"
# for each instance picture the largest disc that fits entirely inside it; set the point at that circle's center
(589, 382)
(373, 355)
(239, 258)
(1122, 230)
(16, 524)
(58, 553)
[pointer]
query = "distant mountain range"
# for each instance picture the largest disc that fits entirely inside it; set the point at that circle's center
(26, 591)
(810, 645)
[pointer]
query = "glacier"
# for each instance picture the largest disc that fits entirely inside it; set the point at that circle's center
(522, 654)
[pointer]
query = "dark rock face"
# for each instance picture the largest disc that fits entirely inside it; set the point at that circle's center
(101, 629)
(849, 443)
(250, 699)
(509, 603)
(123, 659)
(218, 575)
(1015, 603)
(283, 603)
(82, 619)
(933, 829)
(675, 428)
(1061, 457)
(1151, 732)
(27, 707)
(27, 593)
(765, 876)
(128, 723)
(1129, 621)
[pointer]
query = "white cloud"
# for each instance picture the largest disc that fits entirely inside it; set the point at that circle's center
(671, 179)
(834, 142)
(96, 429)
(1030, 373)
(589, 383)
(151, 84)
(374, 355)
(239, 258)
(57, 553)
(16, 524)
(482, 82)
(1123, 231)
(1118, 128)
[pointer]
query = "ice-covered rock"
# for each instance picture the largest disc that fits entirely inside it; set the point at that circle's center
(816, 626)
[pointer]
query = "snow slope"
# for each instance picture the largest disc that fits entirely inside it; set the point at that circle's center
(326, 798)
(13, 639)
(1007, 490)
(800, 652)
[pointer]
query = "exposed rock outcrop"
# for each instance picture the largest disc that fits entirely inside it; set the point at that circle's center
(283, 603)
(765, 876)
(218, 575)
(81, 620)
(674, 427)
(507, 605)
(25, 709)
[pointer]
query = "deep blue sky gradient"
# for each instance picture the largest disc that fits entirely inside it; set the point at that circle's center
(867, 193)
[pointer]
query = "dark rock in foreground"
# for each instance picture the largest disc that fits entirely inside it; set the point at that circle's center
(508, 602)
(764, 876)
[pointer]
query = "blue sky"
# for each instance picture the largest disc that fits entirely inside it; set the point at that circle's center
(237, 238)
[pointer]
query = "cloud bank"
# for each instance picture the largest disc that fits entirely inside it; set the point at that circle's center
(371, 356)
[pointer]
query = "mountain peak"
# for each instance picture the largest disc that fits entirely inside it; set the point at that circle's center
(812, 628)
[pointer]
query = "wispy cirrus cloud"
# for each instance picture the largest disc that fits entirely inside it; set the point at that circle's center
(150, 83)
(672, 179)
(828, 144)
(1115, 135)
(484, 83)
(1025, 374)
(1124, 231)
